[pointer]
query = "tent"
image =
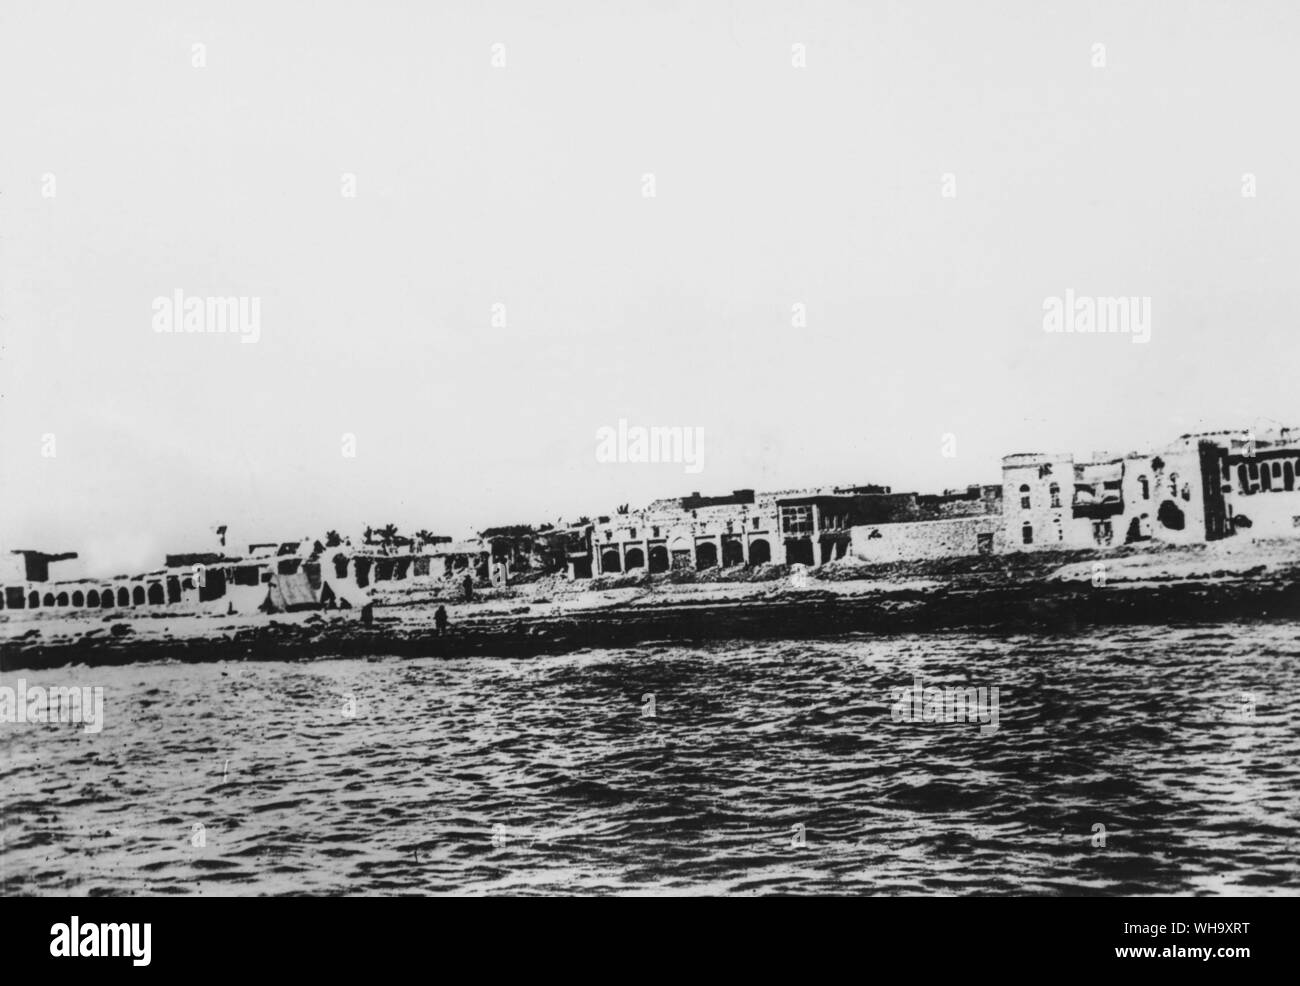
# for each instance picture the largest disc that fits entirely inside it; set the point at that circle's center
(290, 594)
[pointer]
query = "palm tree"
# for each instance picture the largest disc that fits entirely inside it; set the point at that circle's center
(388, 532)
(332, 539)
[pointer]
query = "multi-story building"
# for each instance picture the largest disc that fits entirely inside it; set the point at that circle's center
(808, 527)
(690, 532)
(1260, 474)
(1202, 487)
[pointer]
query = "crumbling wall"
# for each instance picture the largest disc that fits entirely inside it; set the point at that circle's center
(928, 539)
(1275, 514)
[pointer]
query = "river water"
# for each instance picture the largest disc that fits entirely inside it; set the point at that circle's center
(1124, 761)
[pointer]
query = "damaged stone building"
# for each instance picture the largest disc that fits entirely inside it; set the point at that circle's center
(1201, 487)
(916, 526)
(798, 527)
(742, 528)
(690, 532)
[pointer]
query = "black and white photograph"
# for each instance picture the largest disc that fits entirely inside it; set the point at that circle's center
(785, 448)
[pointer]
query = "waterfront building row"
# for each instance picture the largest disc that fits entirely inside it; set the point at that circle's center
(1200, 488)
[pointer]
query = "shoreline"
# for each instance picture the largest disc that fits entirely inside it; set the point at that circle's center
(1051, 595)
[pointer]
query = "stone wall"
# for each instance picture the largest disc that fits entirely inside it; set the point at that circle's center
(1271, 515)
(927, 539)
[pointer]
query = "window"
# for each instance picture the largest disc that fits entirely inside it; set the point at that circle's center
(1024, 498)
(654, 532)
(1027, 534)
(1277, 470)
(1055, 492)
(1145, 486)
(1102, 531)
(1187, 492)
(632, 532)
(796, 520)
(1173, 484)
(755, 523)
(1253, 469)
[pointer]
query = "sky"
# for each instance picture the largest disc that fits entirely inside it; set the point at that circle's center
(823, 232)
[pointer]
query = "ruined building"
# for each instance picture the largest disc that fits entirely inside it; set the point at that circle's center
(1202, 487)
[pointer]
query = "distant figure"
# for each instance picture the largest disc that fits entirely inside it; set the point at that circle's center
(440, 618)
(368, 614)
(468, 586)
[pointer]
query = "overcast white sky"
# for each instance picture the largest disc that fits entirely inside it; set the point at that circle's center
(522, 186)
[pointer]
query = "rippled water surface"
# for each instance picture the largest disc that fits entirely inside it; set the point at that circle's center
(765, 768)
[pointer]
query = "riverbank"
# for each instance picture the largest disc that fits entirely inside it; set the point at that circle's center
(1046, 591)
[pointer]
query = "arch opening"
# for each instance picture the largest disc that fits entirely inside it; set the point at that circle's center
(706, 555)
(658, 559)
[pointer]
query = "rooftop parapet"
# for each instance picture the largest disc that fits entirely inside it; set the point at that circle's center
(1035, 459)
